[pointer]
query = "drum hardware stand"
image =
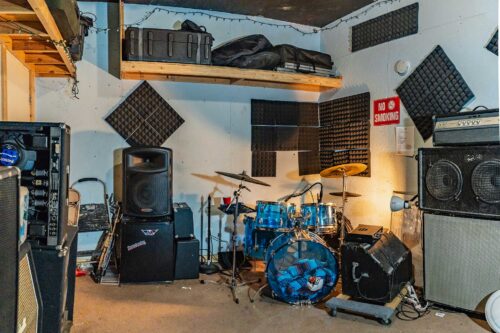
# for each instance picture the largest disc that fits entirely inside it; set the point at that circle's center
(344, 201)
(209, 267)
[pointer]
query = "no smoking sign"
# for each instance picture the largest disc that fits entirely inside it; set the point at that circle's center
(386, 111)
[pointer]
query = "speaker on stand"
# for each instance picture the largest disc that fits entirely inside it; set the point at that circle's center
(20, 299)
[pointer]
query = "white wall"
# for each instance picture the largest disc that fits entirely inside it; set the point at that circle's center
(216, 134)
(462, 29)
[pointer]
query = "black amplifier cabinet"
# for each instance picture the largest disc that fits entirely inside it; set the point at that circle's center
(376, 272)
(461, 181)
(467, 128)
(187, 262)
(56, 276)
(145, 250)
(183, 221)
(42, 152)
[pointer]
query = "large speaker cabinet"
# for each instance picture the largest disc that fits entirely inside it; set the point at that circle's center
(20, 305)
(146, 182)
(461, 260)
(145, 250)
(463, 181)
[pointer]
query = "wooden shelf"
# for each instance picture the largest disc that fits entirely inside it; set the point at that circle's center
(45, 59)
(140, 70)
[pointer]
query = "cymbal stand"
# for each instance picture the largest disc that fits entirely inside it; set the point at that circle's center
(344, 201)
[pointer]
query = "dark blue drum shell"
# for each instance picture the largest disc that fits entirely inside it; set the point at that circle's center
(301, 269)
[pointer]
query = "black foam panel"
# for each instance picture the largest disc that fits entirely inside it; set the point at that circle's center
(394, 25)
(263, 164)
(309, 163)
(493, 44)
(264, 138)
(308, 138)
(144, 118)
(282, 113)
(287, 138)
(435, 87)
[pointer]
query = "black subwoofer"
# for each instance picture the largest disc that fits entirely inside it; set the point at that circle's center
(20, 305)
(147, 182)
(463, 181)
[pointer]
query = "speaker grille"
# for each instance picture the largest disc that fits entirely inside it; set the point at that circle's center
(9, 228)
(486, 181)
(148, 194)
(444, 180)
(27, 311)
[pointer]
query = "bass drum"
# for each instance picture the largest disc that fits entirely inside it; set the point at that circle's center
(301, 269)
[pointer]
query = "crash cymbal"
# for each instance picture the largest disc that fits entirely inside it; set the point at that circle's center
(347, 194)
(350, 169)
(243, 177)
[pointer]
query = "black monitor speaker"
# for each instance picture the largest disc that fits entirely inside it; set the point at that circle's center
(20, 305)
(147, 182)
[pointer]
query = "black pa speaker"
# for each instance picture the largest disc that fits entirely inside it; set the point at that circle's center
(376, 272)
(145, 251)
(20, 305)
(147, 182)
(462, 181)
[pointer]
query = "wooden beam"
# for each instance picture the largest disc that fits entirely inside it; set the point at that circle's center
(15, 6)
(28, 45)
(42, 11)
(51, 69)
(3, 70)
(22, 28)
(43, 59)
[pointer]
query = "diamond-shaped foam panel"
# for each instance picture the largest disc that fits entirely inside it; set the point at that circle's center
(435, 87)
(396, 24)
(309, 163)
(264, 164)
(144, 118)
(493, 44)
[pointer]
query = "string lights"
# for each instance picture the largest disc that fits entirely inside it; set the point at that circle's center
(240, 19)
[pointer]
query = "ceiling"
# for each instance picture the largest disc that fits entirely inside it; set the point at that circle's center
(312, 12)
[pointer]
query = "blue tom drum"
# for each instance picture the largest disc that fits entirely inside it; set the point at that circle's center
(274, 215)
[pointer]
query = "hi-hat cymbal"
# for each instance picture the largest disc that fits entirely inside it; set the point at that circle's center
(347, 194)
(338, 171)
(243, 177)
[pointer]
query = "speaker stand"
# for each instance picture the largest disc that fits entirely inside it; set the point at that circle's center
(209, 267)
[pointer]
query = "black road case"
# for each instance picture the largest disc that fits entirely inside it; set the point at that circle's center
(145, 44)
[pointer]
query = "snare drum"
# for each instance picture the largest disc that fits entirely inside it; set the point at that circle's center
(301, 268)
(327, 219)
(274, 215)
(309, 215)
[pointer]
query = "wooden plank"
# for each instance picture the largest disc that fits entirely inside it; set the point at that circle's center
(53, 75)
(43, 59)
(22, 28)
(3, 70)
(42, 11)
(28, 45)
(32, 93)
(15, 6)
(18, 17)
(51, 69)
(228, 73)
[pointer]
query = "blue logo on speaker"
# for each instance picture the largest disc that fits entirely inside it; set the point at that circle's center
(9, 155)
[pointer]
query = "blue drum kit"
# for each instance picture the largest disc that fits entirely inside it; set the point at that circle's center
(301, 267)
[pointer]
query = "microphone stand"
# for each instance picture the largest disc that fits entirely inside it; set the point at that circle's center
(209, 267)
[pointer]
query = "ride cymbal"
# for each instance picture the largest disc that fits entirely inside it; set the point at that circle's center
(347, 194)
(243, 177)
(338, 171)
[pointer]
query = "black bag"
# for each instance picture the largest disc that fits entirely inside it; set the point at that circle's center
(301, 57)
(167, 46)
(189, 25)
(245, 46)
(260, 60)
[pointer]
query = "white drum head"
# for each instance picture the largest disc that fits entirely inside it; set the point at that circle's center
(493, 311)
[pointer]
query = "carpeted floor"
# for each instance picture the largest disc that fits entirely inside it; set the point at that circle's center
(188, 306)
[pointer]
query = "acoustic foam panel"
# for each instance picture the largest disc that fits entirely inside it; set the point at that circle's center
(309, 163)
(263, 164)
(281, 113)
(308, 138)
(394, 25)
(435, 87)
(144, 118)
(493, 44)
(287, 138)
(264, 138)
